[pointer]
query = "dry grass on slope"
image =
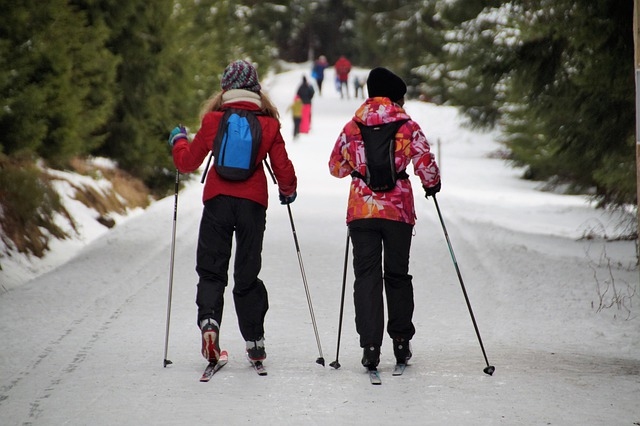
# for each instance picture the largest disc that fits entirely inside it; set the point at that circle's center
(33, 200)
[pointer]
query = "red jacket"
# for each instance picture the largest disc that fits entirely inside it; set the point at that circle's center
(343, 68)
(189, 156)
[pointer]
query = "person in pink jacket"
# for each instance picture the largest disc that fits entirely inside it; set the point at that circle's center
(234, 208)
(381, 223)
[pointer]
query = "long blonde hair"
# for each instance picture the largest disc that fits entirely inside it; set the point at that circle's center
(214, 103)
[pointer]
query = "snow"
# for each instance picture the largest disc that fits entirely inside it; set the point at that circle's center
(83, 338)
(18, 269)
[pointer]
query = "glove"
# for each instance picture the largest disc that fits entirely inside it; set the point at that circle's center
(177, 133)
(431, 191)
(288, 199)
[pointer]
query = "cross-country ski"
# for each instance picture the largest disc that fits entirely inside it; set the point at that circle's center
(213, 368)
(398, 369)
(259, 367)
(374, 376)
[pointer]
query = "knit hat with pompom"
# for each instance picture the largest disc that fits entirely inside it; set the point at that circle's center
(240, 75)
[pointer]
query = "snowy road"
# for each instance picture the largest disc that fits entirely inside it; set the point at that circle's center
(84, 343)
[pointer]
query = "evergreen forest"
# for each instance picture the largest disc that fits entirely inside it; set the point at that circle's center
(108, 78)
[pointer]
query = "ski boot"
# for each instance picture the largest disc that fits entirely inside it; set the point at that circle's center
(210, 340)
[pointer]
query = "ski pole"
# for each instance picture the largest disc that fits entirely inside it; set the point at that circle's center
(320, 359)
(173, 250)
(273, 177)
(335, 364)
(489, 369)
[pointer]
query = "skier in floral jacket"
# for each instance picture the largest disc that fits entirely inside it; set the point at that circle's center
(378, 220)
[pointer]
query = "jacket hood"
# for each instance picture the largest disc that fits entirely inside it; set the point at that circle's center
(375, 111)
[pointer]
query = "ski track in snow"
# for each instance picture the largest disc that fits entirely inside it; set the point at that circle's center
(83, 343)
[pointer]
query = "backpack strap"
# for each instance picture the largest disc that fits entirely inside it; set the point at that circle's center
(401, 175)
(217, 138)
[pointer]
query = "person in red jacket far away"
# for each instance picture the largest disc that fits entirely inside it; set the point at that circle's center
(234, 207)
(343, 68)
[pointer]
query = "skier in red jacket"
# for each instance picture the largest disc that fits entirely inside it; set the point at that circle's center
(343, 68)
(234, 207)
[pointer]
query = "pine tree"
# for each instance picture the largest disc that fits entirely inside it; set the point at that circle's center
(147, 98)
(213, 33)
(558, 76)
(55, 81)
(577, 70)
(404, 36)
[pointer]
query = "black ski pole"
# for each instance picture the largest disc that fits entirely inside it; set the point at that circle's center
(489, 369)
(320, 359)
(273, 177)
(335, 364)
(173, 251)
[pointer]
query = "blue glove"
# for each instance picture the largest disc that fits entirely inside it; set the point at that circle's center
(177, 133)
(431, 191)
(288, 199)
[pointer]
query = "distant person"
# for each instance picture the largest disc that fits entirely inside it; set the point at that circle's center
(381, 222)
(317, 71)
(234, 207)
(296, 112)
(358, 87)
(343, 68)
(305, 92)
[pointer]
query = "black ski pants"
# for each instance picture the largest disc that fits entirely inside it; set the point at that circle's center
(382, 245)
(221, 218)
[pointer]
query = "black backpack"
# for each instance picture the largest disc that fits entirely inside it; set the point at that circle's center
(236, 145)
(379, 148)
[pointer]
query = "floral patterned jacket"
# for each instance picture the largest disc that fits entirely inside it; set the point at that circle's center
(411, 147)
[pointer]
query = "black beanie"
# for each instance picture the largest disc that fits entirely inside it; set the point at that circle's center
(383, 83)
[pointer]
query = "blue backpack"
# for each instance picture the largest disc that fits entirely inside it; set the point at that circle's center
(236, 145)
